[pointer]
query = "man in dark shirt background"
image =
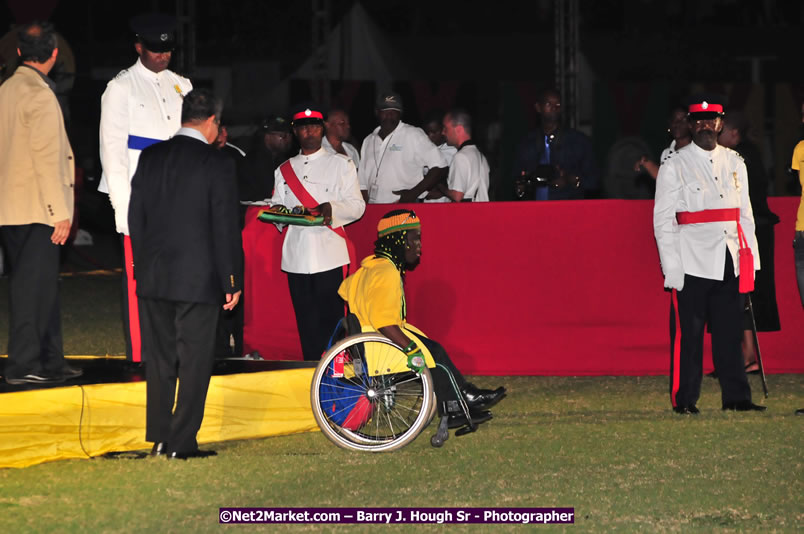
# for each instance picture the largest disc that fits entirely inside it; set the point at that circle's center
(561, 157)
(270, 147)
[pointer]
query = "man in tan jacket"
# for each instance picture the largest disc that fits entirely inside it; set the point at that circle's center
(37, 174)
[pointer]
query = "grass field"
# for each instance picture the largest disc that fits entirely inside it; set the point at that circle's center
(608, 446)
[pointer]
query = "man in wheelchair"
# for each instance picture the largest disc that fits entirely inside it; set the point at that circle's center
(376, 296)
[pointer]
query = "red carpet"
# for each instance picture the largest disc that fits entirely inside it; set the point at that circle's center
(529, 288)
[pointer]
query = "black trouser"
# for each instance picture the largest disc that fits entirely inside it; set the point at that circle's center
(34, 341)
(318, 308)
(444, 389)
(719, 302)
(179, 338)
(763, 298)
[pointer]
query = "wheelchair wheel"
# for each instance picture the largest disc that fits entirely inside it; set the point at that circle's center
(433, 410)
(364, 397)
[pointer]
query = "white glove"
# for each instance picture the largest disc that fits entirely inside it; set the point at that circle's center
(674, 280)
(121, 221)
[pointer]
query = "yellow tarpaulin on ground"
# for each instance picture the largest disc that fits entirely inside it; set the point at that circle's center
(85, 421)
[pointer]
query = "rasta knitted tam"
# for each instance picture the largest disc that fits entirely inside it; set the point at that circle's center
(398, 221)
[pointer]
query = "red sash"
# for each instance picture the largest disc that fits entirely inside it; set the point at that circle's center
(310, 203)
(724, 215)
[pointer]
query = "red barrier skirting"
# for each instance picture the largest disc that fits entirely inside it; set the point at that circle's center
(529, 288)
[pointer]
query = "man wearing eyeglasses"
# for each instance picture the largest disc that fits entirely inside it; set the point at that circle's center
(704, 230)
(554, 162)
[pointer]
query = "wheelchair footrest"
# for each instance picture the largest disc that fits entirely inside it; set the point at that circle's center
(459, 420)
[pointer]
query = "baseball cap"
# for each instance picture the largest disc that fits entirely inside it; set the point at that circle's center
(389, 101)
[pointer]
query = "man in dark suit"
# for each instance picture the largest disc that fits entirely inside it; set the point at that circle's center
(187, 253)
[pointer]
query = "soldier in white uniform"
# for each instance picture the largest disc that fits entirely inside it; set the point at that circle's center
(468, 178)
(141, 106)
(704, 230)
(314, 257)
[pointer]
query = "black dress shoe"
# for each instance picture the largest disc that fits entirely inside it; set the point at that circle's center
(687, 410)
(192, 454)
(35, 378)
(482, 399)
(744, 406)
(160, 449)
(69, 372)
(458, 420)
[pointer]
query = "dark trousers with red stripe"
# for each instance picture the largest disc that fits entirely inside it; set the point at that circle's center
(34, 341)
(130, 305)
(318, 308)
(719, 303)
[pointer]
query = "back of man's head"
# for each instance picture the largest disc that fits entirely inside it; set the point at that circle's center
(36, 42)
(738, 121)
(461, 117)
(199, 105)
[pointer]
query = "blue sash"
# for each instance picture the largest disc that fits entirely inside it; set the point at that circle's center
(136, 142)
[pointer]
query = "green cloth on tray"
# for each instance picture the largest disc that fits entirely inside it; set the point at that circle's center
(289, 218)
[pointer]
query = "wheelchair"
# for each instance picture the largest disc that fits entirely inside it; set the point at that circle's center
(366, 398)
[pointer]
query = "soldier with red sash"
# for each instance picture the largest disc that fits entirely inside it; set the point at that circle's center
(315, 258)
(704, 230)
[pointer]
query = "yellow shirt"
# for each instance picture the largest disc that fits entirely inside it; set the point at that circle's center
(798, 165)
(375, 293)
(376, 296)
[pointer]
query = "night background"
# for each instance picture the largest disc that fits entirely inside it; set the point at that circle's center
(635, 60)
